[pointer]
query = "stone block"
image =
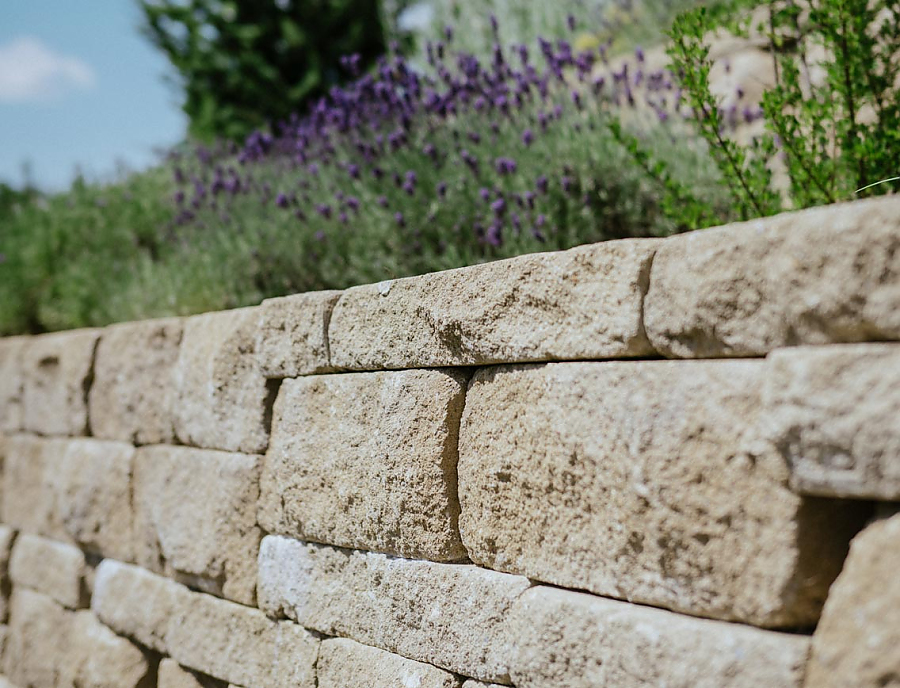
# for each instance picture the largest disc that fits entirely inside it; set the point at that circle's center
(134, 602)
(856, 642)
(173, 675)
(239, 644)
(645, 481)
(581, 303)
(293, 334)
(367, 460)
(93, 496)
(11, 383)
(38, 645)
(828, 274)
(99, 658)
(345, 663)
(454, 616)
(57, 373)
(472, 683)
(133, 392)
(195, 517)
(223, 400)
(573, 640)
(833, 413)
(31, 468)
(52, 568)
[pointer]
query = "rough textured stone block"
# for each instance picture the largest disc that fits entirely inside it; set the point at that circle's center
(451, 615)
(52, 568)
(11, 383)
(30, 472)
(6, 683)
(135, 602)
(195, 517)
(293, 334)
(834, 413)
(57, 370)
(133, 392)
(223, 398)
(367, 460)
(7, 537)
(99, 658)
(472, 683)
(345, 663)
(856, 643)
(240, 645)
(829, 274)
(93, 496)
(573, 640)
(581, 303)
(173, 675)
(644, 481)
(38, 640)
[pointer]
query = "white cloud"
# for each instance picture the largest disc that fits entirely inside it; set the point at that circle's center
(30, 71)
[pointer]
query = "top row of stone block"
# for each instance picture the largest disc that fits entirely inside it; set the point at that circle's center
(817, 276)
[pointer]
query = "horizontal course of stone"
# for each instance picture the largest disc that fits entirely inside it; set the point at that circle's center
(638, 463)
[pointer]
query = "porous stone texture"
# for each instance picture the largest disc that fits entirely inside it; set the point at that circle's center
(173, 675)
(223, 398)
(581, 303)
(367, 460)
(293, 334)
(11, 383)
(573, 640)
(645, 481)
(93, 493)
(856, 642)
(454, 616)
(133, 392)
(50, 646)
(472, 683)
(240, 645)
(7, 538)
(834, 413)
(134, 602)
(829, 274)
(345, 663)
(52, 568)
(195, 517)
(31, 468)
(57, 370)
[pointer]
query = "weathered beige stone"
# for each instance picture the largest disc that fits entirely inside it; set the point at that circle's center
(173, 675)
(11, 383)
(31, 468)
(240, 645)
(7, 538)
(293, 334)
(345, 663)
(57, 371)
(2, 462)
(644, 481)
(834, 413)
(367, 460)
(134, 602)
(133, 392)
(98, 658)
(472, 683)
(93, 496)
(223, 398)
(573, 640)
(581, 303)
(52, 568)
(38, 640)
(5, 683)
(856, 642)
(822, 275)
(454, 616)
(195, 517)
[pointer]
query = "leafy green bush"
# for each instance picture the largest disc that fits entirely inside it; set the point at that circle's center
(243, 63)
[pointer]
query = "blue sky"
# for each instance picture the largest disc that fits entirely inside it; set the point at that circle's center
(80, 87)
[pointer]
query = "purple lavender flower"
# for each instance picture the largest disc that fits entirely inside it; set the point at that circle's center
(570, 21)
(639, 54)
(542, 184)
(527, 137)
(442, 189)
(281, 200)
(382, 201)
(495, 234)
(498, 207)
(505, 166)
(399, 219)
(566, 183)
(324, 210)
(485, 194)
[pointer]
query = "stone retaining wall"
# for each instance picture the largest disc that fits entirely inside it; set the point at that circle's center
(638, 463)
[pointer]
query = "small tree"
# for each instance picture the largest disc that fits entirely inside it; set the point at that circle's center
(244, 63)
